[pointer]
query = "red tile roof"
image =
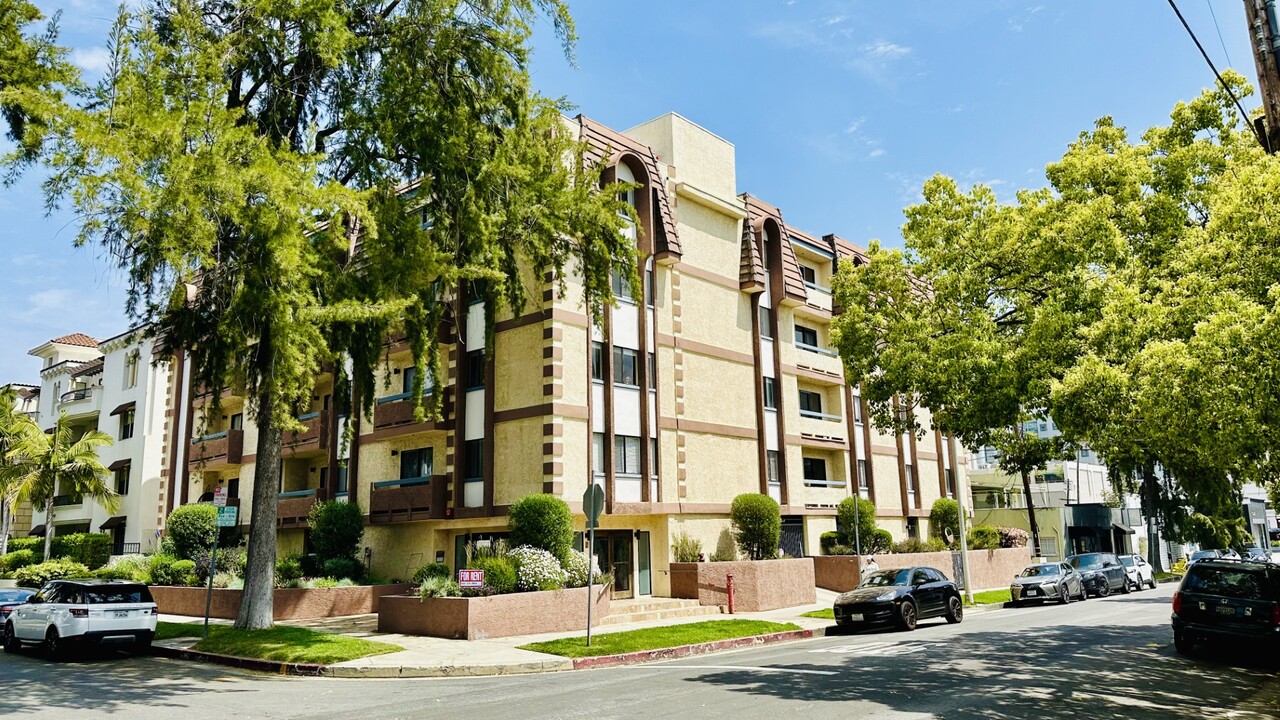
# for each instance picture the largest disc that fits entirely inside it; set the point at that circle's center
(76, 339)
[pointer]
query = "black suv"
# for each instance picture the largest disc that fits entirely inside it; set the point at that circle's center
(1101, 573)
(1225, 599)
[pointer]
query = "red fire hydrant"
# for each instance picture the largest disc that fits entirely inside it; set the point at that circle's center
(728, 581)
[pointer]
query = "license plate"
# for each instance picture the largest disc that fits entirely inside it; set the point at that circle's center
(1033, 592)
(1226, 610)
(120, 613)
(855, 617)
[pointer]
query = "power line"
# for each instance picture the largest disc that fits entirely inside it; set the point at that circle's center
(1262, 139)
(1215, 27)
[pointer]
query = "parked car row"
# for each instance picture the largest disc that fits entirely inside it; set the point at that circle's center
(1080, 576)
(66, 614)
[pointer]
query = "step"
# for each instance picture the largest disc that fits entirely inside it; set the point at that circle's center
(650, 605)
(652, 615)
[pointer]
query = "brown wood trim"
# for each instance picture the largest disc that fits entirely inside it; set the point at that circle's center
(175, 434)
(560, 315)
(606, 355)
(459, 411)
(708, 276)
(812, 441)
(757, 362)
(942, 469)
(410, 429)
(186, 442)
(577, 412)
(715, 352)
(356, 418)
(490, 359)
(866, 443)
(915, 466)
(925, 455)
(643, 313)
(709, 428)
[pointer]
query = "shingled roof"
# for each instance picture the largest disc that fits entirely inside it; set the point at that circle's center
(93, 367)
(792, 281)
(603, 144)
(751, 266)
(79, 339)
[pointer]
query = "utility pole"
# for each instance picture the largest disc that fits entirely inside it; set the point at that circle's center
(1264, 34)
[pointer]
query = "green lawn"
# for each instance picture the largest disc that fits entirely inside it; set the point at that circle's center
(658, 637)
(1161, 577)
(991, 597)
(825, 614)
(280, 643)
(170, 630)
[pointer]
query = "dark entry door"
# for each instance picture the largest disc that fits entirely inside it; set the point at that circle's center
(792, 542)
(613, 552)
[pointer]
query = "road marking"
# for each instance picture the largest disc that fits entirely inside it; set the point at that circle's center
(750, 668)
(881, 649)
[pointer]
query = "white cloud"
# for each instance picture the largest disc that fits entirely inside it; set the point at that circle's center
(876, 153)
(94, 59)
(855, 127)
(885, 50)
(835, 20)
(956, 108)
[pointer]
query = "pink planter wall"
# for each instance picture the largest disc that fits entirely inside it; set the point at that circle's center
(989, 568)
(758, 585)
(492, 617)
(289, 603)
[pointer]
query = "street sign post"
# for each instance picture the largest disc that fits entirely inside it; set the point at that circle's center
(226, 518)
(220, 496)
(592, 505)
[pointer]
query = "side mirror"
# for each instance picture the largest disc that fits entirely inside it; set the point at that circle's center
(35, 600)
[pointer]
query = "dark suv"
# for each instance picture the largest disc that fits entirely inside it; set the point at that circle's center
(1101, 573)
(1225, 599)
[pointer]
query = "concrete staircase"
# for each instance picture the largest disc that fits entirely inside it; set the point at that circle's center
(649, 609)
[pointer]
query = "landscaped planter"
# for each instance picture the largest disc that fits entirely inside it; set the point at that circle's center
(758, 585)
(289, 603)
(494, 616)
(989, 568)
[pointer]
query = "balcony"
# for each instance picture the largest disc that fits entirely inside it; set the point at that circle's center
(80, 402)
(823, 361)
(68, 500)
(313, 436)
(292, 508)
(818, 302)
(407, 499)
(217, 450)
(395, 411)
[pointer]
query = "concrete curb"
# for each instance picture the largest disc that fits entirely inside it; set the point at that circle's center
(270, 666)
(446, 671)
(681, 651)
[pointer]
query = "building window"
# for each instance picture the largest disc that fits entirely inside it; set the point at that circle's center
(773, 472)
(913, 528)
(621, 285)
(597, 454)
(810, 402)
(597, 361)
(806, 336)
(475, 369)
(815, 469)
(406, 380)
(417, 463)
(653, 371)
(473, 460)
(864, 489)
(766, 322)
(857, 409)
(951, 482)
(626, 455)
(122, 480)
(910, 472)
(126, 424)
(624, 366)
(237, 421)
(653, 458)
(809, 274)
(131, 370)
(770, 393)
(648, 287)
(342, 479)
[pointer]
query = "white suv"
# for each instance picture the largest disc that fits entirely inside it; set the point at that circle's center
(1139, 571)
(67, 613)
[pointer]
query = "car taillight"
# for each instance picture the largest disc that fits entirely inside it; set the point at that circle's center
(1275, 614)
(79, 612)
(154, 611)
(1177, 602)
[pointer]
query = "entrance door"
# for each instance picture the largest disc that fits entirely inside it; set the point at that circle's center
(645, 574)
(613, 552)
(792, 540)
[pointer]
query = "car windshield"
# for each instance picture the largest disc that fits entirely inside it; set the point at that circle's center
(117, 594)
(1039, 570)
(15, 595)
(1225, 582)
(1202, 554)
(1126, 561)
(1085, 562)
(885, 578)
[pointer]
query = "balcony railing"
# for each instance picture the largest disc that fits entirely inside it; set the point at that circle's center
(818, 288)
(292, 508)
(217, 449)
(126, 548)
(395, 410)
(407, 499)
(76, 395)
(823, 482)
(67, 500)
(815, 415)
(314, 434)
(815, 349)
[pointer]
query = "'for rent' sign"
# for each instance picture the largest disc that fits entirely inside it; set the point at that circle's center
(470, 578)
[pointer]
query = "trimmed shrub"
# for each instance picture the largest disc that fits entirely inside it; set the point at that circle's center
(132, 567)
(184, 571)
(1011, 537)
(537, 569)
(344, 567)
(544, 522)
(984, 537)
(499, 571)
(828, 540)
(431, 570)
(34, 544)
(916, 545)
(881, 542)
(321, 582)
(945, 516)
(192, 529)
(336, 529)
(90, 549)
(17, 559)
(110, 573)
(864, 519)
(35, 576)
(288, 569)
(435, 586)
(224, 580)
(757, 525)
(685, 548)
(160, 570)
(575, 569)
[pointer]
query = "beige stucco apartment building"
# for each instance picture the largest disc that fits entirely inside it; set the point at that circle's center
(713, 378)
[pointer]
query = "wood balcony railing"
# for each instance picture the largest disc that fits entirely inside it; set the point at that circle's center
(217, 449)
(408, 499)
(313, 436)
(292, 508)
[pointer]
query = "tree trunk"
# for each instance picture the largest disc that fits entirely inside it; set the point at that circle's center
(48, 527)
(1031, 512)
(6, 511)
(257, 601)
(1149, 500)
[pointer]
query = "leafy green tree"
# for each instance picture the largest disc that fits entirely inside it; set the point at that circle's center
(10, 488)
(285, 183)
(945, 516)
(757, 525)
(34, 75)
(1021, 454)
(42, 464)
(857, 520)
(542, 521)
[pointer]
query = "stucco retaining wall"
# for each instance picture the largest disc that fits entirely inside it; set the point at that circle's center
(989, 568)
(289, 603)
(494, 616)
(757, 585)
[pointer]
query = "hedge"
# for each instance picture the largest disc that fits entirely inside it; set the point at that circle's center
(35, 576)
(542, 521)
(90, 549)
(757, 525)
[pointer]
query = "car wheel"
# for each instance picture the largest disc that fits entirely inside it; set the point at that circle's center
(11, 642)
(142, 646)
(1064, 596)
(907, 618)
(1126, 587)
(1182, 642)
(955, 610)
(1152, 582)
(1084, 593)
(53, 645)
(1104, 589)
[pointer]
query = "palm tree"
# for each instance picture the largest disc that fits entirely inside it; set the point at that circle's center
(41, 463)
(8, 428)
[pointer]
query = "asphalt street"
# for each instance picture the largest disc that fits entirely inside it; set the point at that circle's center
(1109, 658)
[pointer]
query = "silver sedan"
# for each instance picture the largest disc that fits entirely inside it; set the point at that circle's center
(1047, 581)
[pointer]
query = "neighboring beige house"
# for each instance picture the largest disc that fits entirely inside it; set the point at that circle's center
(713, 378)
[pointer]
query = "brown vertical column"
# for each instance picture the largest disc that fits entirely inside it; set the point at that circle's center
(355, 417)
(942, 469)
(851, 429)
(915, 469)
(490, 457)
(642, 376)
(866, 443)
(762, 442)
(459, 406)
(189, 402)
(606, 353)
(176, 432)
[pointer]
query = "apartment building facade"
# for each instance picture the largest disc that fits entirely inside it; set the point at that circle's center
(711, 379)
(118, 387)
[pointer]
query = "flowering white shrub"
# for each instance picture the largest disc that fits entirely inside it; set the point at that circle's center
(575, 568)
(537, 569)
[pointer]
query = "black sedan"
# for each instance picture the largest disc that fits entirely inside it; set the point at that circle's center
(1101, 573)
(11, 598)
(900, 597)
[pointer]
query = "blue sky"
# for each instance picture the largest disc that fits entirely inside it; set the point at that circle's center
(838, 110)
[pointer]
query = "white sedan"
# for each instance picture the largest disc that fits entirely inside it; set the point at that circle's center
(1139, 571)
